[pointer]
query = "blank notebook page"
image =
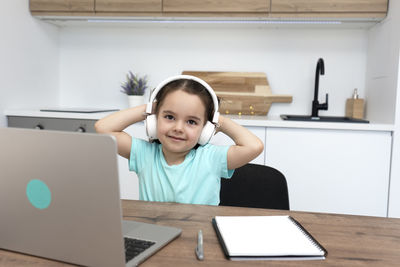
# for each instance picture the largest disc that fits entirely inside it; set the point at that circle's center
(265, 236)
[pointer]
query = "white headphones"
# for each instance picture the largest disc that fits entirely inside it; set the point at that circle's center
(151, 119)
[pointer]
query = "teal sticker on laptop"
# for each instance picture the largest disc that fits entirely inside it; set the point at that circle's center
(38, 194)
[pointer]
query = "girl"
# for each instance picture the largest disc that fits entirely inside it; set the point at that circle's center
(175, 168)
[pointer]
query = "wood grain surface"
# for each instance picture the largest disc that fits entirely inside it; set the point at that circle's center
(349, 240)
(241, 93)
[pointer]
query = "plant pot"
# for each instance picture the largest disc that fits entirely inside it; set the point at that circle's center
(135, 100)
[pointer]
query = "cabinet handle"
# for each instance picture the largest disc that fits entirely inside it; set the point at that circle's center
(39, 127)
(81, 130)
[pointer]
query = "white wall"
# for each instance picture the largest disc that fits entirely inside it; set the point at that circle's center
(94, 60)
(383, 86)
(382, 65)
(29, 59)
(393, 76)
(394, 193)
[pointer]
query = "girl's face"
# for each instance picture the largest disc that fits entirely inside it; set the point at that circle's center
(180, 120)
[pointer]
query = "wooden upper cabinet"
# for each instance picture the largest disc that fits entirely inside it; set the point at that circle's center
(128, 6)
(329, 6)
(61, 5)
(213, 6)
(376, 9)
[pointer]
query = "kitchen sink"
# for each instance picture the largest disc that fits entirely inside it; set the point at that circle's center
(322, 118)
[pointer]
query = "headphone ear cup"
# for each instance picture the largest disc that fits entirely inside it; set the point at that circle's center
(207, 133)
(151, 126)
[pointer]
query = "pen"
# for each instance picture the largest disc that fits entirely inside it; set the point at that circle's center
(199, 248)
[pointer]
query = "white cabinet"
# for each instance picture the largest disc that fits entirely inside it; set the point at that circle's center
(336, 171)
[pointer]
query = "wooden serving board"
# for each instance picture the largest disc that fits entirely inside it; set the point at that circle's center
(241, 93)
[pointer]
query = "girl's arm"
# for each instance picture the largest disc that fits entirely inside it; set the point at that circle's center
(115, 123)
(247, 145)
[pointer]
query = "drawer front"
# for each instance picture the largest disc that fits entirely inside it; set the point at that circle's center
(60, 124)
(62, 5)
(198, 6)
(128, 6)
(341, 6)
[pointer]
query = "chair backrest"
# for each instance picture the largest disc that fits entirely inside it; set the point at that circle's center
(255, 186)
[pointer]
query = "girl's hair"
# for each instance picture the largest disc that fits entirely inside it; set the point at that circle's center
(191, 87)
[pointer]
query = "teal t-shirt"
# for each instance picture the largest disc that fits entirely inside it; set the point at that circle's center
(197, 180)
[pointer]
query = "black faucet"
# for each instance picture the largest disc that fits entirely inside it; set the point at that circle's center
(315, 104)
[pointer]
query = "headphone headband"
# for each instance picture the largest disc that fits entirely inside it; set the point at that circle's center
(149, 106)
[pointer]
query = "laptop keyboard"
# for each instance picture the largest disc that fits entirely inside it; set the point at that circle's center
(134, 247)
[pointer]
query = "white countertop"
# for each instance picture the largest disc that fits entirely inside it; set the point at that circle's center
(64, 115)
(252, 121)
(276, 121)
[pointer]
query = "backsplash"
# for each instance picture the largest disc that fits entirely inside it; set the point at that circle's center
(94, 60)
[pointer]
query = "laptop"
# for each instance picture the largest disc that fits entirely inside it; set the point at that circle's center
(59, 199)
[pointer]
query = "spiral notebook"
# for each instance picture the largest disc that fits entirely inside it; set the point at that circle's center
(266, 238)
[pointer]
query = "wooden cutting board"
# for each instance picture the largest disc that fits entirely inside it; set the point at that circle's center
(241, 93)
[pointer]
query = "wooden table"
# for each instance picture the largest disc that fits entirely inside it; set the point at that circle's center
(350, 240)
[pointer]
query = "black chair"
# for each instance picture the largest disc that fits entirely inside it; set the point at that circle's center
(255, 186)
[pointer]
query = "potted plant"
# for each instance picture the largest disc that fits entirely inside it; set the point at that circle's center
(134, 87)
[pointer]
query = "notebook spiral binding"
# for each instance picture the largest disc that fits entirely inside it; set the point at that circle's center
(308, 235)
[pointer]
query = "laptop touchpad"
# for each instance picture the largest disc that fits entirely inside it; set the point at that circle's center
(129, 226)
